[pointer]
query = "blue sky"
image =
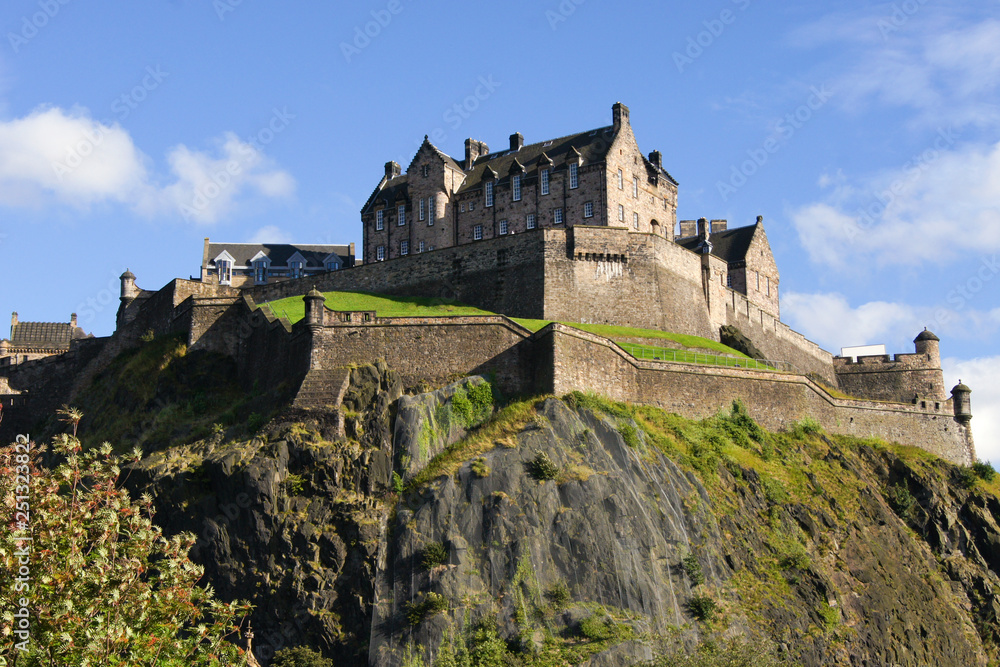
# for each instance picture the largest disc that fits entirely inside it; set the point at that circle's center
(866, 134)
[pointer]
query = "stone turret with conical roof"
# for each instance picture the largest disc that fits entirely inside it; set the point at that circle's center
(314, 308)
(961, 397)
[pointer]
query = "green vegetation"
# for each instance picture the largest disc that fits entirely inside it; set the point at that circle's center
(294, 484)
(433, 555)
(738, 652)
(101, 569)
(300, 656)
(965, 476)
(397, 482)
(294, 308)
(558, 595)
(617, 333)
(431, 604)
(479, 468)
(693, 569)
(984, 470)
(900, 500)
(542, 467)
(702, 607)
(474, 406)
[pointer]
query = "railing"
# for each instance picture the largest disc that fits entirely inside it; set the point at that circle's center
(651, 353)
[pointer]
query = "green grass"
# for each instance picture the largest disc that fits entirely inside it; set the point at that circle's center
(294, 308)
(617, 333)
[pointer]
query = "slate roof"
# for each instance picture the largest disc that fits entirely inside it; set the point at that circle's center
(279, 253)
(731, 246)
(44, 335)
(396, 188)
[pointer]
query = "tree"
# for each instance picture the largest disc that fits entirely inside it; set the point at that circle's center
(300, 656)
(102, 585)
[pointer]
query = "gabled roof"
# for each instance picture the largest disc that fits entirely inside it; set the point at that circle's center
(45, 335)
(387, 192)
(730, 246)
(279, 253)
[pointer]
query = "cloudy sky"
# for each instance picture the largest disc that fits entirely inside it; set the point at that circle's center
(866, 134)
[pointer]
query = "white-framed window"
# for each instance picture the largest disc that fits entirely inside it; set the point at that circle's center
(333, 266)
(425, 170)
(503, 227)
(545, 181)
(463, 208)
(472, 206)
(431, 210)
(621, 212)
(401, 216)
(574, 177)
(489, 193)
(423, 210)
(404, 247)
(729, 280)
(380, 253)
(621, 180)
(557, 216)
(260, 272)
(420, 247)
(477, 232)
(295, 269)
(515, 185)
(225, 268)
(531, 221)
(635, 187)
(379, 220)
(588, 209)
(635, 220)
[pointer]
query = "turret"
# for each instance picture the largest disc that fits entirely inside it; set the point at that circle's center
(927, 344)
(129, 290)
(314, 308)
(963, 404)
(619, 116)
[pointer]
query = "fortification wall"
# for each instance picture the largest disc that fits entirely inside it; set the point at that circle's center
(434, 351)
(899, 378)
(581, 361)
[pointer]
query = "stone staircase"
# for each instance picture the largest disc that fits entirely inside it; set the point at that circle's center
(324, 390)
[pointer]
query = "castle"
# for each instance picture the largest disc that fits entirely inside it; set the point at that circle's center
(580, 229)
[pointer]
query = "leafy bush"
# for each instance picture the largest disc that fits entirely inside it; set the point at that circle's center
(300, 656)
(775, 491)
(108, 572)
(397, 482)
(558, 595)
(965, 476)
(702, 607)
(294, 484)
(792, 555)
(737, 652)
(542, 468)
(255, 421)
(598, 628)
(474, 406)
(807, 426)
(629, 434)
(984, 470)
(693, 569)
(417, 612)
(900, 500)
(479, 467)
(434, 554)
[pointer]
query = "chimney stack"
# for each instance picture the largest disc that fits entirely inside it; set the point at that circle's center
(13, 319)
(656, 157)
(72, 320)
(473, 150)
(703, 229)
(392, 169)
(516, 141)
(619, 114)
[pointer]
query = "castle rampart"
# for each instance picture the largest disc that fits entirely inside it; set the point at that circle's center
(903, 378)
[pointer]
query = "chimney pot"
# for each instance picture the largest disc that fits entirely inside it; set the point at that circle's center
(619, 114)
(392, 169)
(516, 141)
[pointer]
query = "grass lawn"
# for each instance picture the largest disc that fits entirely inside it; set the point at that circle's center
(294, 308)
(617, 333)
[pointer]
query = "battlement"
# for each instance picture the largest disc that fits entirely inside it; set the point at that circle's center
(901, 378)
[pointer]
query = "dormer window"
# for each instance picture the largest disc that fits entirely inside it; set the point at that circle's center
(260, 271)
(574, 177)
(489, 193)
(545, 181)
(515, 185)
(225, 270)
(333, 265)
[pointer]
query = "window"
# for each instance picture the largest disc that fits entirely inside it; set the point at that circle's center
(225, 268)
(477, 232)
(423, 210)
(429, 248)
(757, 275)
(295, 269)
(588, 209)
(420, 248)
(380, 253)
(404, 247)
(503, 227)
(489, 194)
(515, 184)
(260, 272)
(379, 220)
(333, 266)
(768, 285)
(635, 187)
(472, 206)
(557, 216)
(401, 216)
(621, 212)
(621, 180)
(431, 211)
(729, 280)
(531, 221)
(574, 177)
(425, 170)
(545, 181)
(463, 208)
(635, 220)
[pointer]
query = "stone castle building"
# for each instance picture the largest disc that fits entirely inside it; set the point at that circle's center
(36, 340)
(248, 264)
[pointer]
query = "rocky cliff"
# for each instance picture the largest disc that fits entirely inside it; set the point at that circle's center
(457, 527)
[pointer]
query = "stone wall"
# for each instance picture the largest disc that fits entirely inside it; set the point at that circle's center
(904, 377)
(581, 361)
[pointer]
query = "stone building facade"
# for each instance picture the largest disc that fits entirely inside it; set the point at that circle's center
(248, 264)
(36, 340)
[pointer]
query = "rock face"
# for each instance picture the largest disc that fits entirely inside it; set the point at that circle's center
(734, 338)
(581, 532)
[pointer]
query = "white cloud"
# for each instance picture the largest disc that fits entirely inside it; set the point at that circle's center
(941, 205)
(270, 234)
(981, 376)
(83, 162)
